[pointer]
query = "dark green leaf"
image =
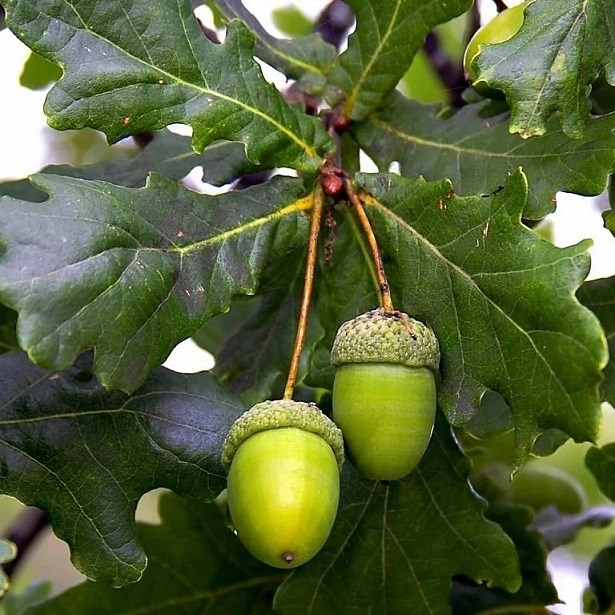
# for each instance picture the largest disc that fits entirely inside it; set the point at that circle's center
(548, 65)
(559, 528)
(380, 51)
(214, 333)
(38, 72)
(120, 77)
(602, 580)
(18, 602)
(476, 153)
(308, 59)
(500, 300)
(86, 455)
(601, 462)
(196, 565)
(548, 442)
(132, 272)
(602, 96)
(394, 548)
(492, 418)
(224, 162)
(168, 154)
(259, 351)
(599, 296)
(536, 590)
(8, 333)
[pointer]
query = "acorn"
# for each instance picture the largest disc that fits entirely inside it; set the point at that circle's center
(283, 459)
(500, 29)
(384, 393)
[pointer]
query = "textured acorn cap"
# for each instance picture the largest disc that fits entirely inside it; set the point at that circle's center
(277, 414)
(378, 337)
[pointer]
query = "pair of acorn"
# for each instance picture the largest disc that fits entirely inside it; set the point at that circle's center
(283, 457)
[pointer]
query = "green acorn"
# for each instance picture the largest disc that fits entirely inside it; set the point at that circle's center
(384, 394)
(283, 459)
(500, 29)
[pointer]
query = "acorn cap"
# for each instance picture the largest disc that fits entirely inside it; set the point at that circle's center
(277, 414)
(378, 337)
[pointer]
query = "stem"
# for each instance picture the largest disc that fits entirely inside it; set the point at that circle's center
(385, 292)
(24, 531)
(308, 283)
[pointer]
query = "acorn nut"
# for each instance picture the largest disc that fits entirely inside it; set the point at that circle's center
(384, 393)
(283, 459)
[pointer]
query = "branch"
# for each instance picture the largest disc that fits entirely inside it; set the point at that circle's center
(334, 22)
(450, 72)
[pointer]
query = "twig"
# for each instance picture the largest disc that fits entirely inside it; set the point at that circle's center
(385, 292)
(500, 5)
(24, 532)
(319, 200)
(451, 73)
(473, 23)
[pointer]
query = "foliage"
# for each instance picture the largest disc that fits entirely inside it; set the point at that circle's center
(105, 268)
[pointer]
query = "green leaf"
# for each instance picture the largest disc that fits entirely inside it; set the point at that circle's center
(476, 153)
(308, 59)
(38, 73)
(380, 557)
(168, 154)
(422, 82)
(120, 77)
(196, 565)
(536, 590)
(500, 300)
(86, 455)
(249, 362)
(291, 21)
(599, 297)
(132, 272)
(18, 602)
(548, 66)
(380, 51)
(601, 462)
